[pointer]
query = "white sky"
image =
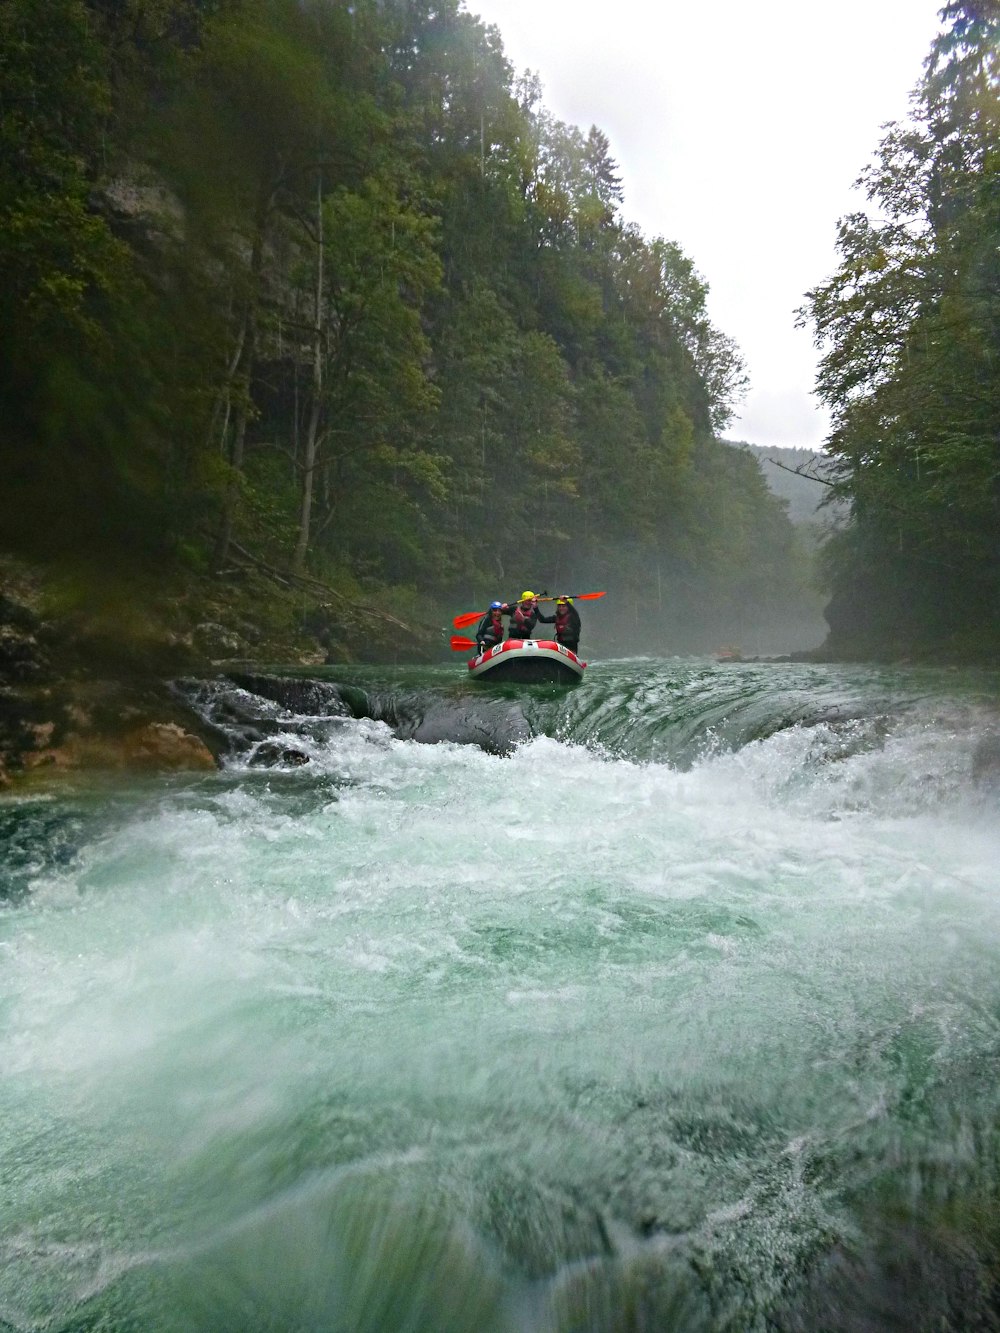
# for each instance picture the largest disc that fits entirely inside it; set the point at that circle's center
(740, 127)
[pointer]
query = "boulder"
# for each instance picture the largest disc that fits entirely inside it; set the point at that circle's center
(272, 754)
(154, 747)
(165, 745)
(217, 642)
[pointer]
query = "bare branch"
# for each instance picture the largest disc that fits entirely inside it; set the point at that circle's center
(287, 577)
(797, 472)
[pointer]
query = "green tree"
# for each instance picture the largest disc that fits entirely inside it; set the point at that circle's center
(910, 331)
(83, 406)
(373, 391)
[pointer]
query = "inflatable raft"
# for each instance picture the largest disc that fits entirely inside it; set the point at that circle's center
(528, 662)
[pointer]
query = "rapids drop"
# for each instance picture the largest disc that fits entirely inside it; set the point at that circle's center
(670, 1001)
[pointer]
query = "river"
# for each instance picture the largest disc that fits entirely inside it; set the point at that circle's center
(668, 1001)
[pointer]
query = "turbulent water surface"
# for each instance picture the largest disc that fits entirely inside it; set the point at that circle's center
(669, 1001)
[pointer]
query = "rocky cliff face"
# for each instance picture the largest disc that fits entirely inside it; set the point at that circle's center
(86, 658)
(66, 704)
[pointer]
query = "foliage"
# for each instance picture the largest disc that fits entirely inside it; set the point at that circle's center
(322, 282)
(910, 327)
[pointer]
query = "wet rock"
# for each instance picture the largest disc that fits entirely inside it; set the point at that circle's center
(273, 755)
(327, 627)
(312, 697)
(27, 724)
(18, 614)
(21, 657)
(152, 747)
(165, 745)
(217, 642)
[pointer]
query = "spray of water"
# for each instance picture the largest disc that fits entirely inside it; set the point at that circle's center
(666, 1002)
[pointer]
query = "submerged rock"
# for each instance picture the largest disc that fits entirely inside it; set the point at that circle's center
(271, 755)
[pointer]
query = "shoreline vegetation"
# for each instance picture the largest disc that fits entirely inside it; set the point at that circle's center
(90, 690)
(85, 678)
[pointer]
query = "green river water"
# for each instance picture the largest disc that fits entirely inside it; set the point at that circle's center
(668, 1001)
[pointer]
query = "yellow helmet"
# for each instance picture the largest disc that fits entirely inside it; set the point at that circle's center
(527, 596)
(564, 601)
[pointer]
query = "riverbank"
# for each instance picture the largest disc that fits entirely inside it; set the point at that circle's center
(86, 658)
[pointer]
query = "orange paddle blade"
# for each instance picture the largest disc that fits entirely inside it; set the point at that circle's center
(458, 644)
(471, 617)
(576, 596)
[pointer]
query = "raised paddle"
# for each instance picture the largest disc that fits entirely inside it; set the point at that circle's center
(470, 617)
(574, 597)
(467, 618)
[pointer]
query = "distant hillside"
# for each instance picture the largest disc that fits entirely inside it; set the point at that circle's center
(804, 495)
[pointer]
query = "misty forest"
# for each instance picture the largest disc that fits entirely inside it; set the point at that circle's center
(322, 291)
(320, 295)
(318, 300)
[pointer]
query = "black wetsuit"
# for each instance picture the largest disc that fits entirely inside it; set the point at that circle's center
(489, 632)
(568, 627)
(523, 622)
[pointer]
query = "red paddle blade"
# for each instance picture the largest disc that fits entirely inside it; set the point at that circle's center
(459, 645)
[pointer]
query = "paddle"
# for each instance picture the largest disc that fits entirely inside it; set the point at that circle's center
(574, 597)
(470, 617)
(458, 644)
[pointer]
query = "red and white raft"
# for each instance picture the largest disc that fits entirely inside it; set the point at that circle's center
(528, 662)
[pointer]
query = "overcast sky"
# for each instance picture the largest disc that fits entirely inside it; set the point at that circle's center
(740, 128)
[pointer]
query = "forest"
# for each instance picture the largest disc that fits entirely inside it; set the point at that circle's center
(909, 331)
(312, 305)
(319, 294)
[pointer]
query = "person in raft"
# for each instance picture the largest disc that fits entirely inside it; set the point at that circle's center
(489, 631)
(567, 619)
(526, 615)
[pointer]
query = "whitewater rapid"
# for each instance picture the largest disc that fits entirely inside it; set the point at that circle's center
(667, 1001)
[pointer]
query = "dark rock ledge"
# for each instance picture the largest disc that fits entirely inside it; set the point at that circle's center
(61, 712)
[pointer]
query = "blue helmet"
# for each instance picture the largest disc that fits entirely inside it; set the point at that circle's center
(495, 606)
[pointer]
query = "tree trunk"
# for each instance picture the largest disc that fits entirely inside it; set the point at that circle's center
(312, 439)
(241, 382)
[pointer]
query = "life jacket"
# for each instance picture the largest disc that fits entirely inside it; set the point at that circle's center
(563, 627)
(490, 628)
(523, 622)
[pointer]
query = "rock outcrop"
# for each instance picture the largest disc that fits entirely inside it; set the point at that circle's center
(60, 712)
